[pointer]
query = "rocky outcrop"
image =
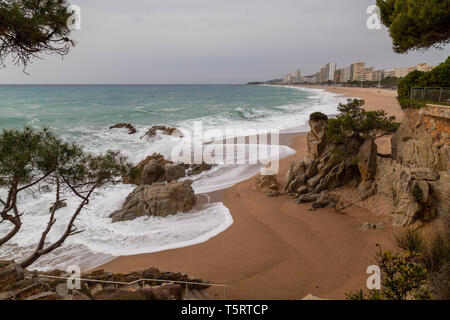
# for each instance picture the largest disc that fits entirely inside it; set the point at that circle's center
(441, 192)
(152, 132)
(265, 183)
(420, 164)
(319, 200)
(409, 189)
(131, 129)
(19, 284)
(158, 199)
(195, 169)
(326, 172)
(415, 146)
(416, 177)
(367, 160)
(327, 166)
(155, 168)
(316, 136)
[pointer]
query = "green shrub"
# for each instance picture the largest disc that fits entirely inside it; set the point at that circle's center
(318, 116)
(410, 240)
(439, 77)
(401, 278)
(436, 258)
(353, 120)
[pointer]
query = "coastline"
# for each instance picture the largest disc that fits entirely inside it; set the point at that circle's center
(277, 249)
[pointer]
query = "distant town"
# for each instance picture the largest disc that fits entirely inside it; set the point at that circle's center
(357, 74)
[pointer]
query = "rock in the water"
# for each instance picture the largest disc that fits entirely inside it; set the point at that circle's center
(367, 159)
(174, 172)
(152, 172)
(198, 168)
(131, 129)
(60, 204)
(158, 199)
(151, 133)
(155, 168)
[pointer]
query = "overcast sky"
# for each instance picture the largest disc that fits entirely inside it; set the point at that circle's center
(215, 41)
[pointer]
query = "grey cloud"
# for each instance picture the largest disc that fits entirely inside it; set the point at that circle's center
(218, 41)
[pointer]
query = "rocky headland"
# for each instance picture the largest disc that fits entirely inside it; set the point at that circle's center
(415, 177)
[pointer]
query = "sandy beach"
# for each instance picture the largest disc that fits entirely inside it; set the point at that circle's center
(277, 249)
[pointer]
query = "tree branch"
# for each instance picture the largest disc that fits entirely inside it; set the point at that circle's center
(40, 251)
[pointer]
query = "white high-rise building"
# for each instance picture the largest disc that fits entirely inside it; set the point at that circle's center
(330, 69)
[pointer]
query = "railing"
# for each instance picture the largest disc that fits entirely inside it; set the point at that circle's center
(187, 283)
(441, 95)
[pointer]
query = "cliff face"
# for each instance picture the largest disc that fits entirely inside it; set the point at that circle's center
(417, 177)
(424, 138)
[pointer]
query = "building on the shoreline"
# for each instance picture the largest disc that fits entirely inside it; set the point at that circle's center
(297, 77)
(368, 74)
(323, 74)
(421, 67)
(342, 75)
(288, 78)
(400, 72)
(330, 69)
(377, 75)
(357, 71)
(310, 79)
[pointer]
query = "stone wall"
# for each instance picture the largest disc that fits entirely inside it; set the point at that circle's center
(436, 119)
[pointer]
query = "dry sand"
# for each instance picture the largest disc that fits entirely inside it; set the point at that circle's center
(277, 249)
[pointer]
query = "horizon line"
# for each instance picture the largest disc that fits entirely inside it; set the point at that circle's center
(119, 84)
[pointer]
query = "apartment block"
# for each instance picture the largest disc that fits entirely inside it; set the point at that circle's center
(357, 71)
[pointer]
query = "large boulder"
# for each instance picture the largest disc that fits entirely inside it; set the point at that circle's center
(367, 159)
(265, 183)
(152, 172)
(155, 168)
(316, 138)
(174, 172)
(159, 200)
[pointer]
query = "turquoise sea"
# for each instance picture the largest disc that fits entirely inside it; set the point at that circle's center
(83, 114)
